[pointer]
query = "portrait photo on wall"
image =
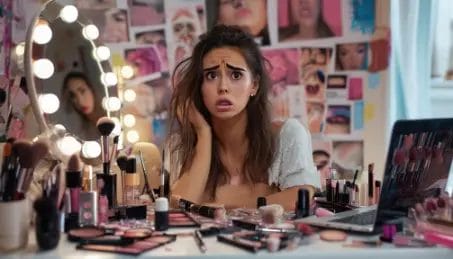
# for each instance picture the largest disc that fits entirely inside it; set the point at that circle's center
(146, 12)
(312, 62)
(184, 26)
(112, 23)
(309, 19)
(251, 15)
(338, 120)
(351, 56)
(316, 113)
(150, 37)
(359, 18)
(347, 156)
(145, 60)
(282, 65)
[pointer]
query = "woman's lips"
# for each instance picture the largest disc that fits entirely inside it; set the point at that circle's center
(223, 105)
(243, 12)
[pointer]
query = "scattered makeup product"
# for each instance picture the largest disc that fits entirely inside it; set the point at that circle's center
(329, 189)
(131, 212)
(107, 187)
(147, 188)
(363, 243)
(88, 205)
(370, 184)
(103, 205)
(271, 214)
(217, 213)
(302, 204)
(181, 219)
(184, 204)
(132, 181)
(199, 240)
(161, 218)
(273, 243)
(333, 235)
(135, 248)
(388, 232)
(245, 224)
(78, 234)
(137, 233)
(47, 226)
(261, 201)
(248, 245)
(107, 240)
(321, 212)
(74, 180)
(403, 240)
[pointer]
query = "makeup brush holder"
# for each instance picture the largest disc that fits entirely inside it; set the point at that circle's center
(15, 222)
(108, 187)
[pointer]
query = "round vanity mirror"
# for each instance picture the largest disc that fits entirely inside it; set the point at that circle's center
(69, 76)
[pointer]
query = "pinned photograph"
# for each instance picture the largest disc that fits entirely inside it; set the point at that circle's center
(316, 112)
(95, 4)
(351, 56)
(146, 12)
(347, 156)
(282, 67)
(112, 24)
(145, 60)
(338, 119)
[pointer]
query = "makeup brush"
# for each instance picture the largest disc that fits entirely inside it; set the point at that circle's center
(114, 152)
(25, 158)
(105, 126)
(145, 176)
(6, 157)
(40, 149)
(12, 169)
(121, 161)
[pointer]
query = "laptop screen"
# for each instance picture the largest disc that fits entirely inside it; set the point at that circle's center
(417, 166)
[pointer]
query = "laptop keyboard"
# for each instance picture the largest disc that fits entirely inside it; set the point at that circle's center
(365, 218)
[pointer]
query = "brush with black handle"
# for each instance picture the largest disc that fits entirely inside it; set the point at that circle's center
(105, 127)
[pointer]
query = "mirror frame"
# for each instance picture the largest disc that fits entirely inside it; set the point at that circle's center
(30, 78)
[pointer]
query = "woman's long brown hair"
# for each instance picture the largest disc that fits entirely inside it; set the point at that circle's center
(187, 80)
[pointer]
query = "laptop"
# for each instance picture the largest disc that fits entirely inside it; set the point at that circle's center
(417, 166)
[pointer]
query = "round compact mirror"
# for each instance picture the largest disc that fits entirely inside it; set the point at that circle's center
(69, 76)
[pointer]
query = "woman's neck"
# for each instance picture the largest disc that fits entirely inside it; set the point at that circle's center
(231, 132)
(307, 32)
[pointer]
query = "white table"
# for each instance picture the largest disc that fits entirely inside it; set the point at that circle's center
(186, 246)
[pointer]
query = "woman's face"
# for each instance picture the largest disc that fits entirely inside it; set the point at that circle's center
(306, 12)
(184, 29)
(116, 27)
(81, 96)
(352, 56)
(250, 14)
(227, 82)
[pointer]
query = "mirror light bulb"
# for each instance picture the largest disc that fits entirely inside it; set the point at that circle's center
(69, 14)
(129, 120)
(69, 145)
(127, 72)
(117, 129)
(132, 136)
(129, 95)
(109, 79)
(49, 103)
(113, 104)
(43, 68)
(20, 49)
(90, 32)
(42, 33)
(102, 53)
(91, 149)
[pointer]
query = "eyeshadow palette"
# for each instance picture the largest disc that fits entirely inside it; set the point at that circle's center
(135, 248)
(181, 219)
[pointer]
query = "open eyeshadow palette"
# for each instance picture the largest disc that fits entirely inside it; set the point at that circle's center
(177, 218)
(130, 247)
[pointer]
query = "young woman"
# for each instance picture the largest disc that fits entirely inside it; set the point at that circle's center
(228, 150)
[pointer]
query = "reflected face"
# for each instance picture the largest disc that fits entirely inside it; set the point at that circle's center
(352, 56)
(249, 14)
(306, 12)
(81, 96)
(227, 82)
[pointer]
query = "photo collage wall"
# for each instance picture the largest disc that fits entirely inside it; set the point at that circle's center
(320, 56)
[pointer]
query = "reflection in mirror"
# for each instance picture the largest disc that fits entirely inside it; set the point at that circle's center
(71, 80)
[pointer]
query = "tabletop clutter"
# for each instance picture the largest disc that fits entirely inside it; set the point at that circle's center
(83, 203)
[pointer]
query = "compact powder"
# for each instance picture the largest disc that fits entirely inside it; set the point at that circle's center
(333, 235)
(78, 234)
(137, 233)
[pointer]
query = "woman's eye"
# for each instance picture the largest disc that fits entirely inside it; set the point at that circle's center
(211, 75)
(236, 75)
